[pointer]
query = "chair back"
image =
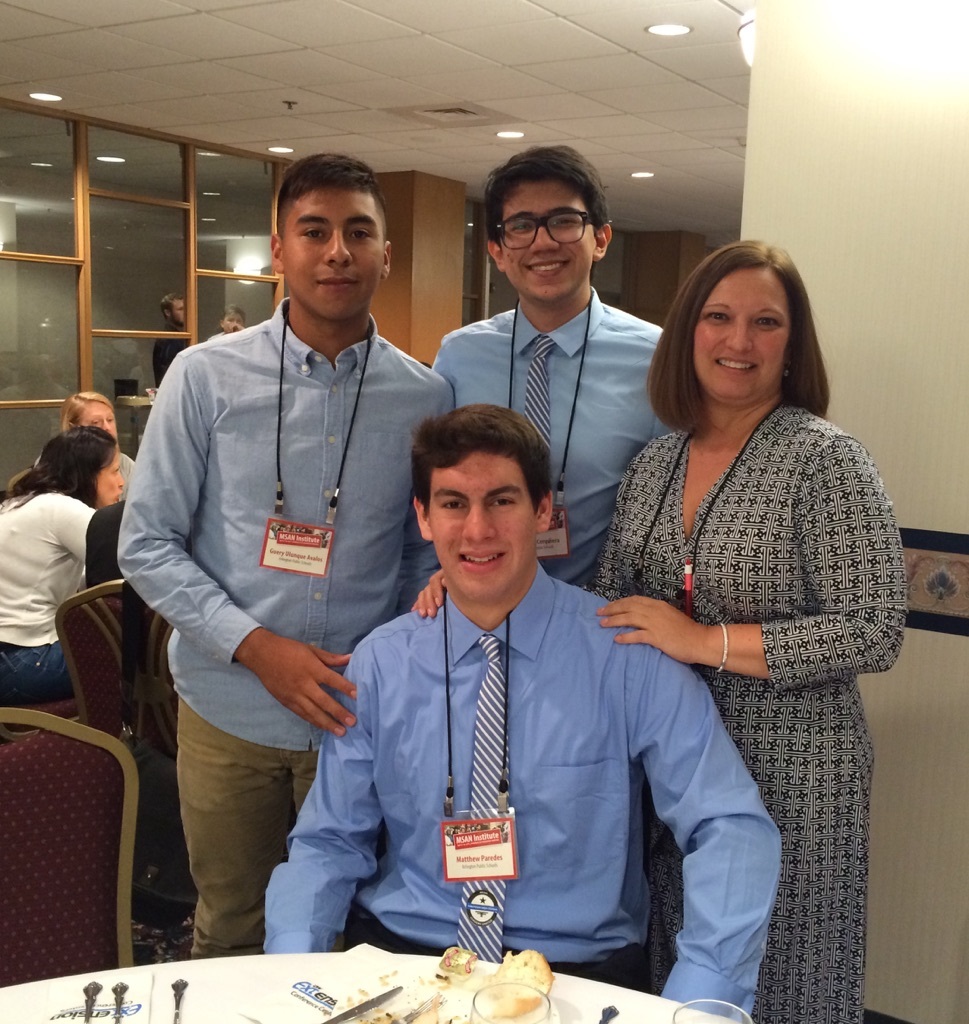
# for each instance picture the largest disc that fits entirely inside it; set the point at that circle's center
(155, 702)
(89, 629)
(68, 802)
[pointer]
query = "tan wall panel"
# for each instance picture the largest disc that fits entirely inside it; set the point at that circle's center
(857, 163)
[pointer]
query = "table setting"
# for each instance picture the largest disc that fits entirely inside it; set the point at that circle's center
(326, 988)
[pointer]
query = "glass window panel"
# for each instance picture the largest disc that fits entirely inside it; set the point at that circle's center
(148, 167)
(38, 350)
(25, 432)
(254, 298)
(123, 366)
(137, 256)
(235, 200)
(36, 184)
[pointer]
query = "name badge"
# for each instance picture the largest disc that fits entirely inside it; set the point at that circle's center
(479, 848)
(297, 547)
(554, 543)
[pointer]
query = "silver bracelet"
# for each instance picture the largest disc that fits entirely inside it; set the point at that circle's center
(726, 647)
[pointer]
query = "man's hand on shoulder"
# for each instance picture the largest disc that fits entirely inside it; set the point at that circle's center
(295, 674)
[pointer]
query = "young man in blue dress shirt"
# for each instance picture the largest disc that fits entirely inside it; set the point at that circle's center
(273, 528)
(548, 225)
(588, 721)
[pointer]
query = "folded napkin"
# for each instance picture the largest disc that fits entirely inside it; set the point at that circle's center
(65, 996)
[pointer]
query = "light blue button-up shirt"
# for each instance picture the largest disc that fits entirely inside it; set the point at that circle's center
(613, 418)
(206, 481)
(587, 716)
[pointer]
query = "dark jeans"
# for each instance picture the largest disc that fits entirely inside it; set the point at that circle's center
(625, 966)
(33, 675)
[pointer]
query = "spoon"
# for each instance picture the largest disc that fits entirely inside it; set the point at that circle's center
(608, 1012)
(178, 987)
(119, 991)
(91, 991)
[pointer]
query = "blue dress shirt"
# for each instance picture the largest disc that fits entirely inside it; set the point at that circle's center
(613, 419)
(206, 481)
(586, 717)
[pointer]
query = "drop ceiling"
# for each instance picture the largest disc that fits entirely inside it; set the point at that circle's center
(417, 85)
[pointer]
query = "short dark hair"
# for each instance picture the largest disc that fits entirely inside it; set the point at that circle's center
(327, 170)
(168, 301)
(441, 442)
(674, 391)
(69, 464)
(545, 163)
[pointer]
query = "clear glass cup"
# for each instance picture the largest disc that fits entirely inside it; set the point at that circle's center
(510, 1001)
(710, 1011)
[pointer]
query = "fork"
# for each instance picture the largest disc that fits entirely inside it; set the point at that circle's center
(412, 1015)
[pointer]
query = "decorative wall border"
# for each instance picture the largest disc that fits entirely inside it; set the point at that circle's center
(937, 565)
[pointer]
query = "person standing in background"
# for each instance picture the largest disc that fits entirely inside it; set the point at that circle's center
(165, 350)
(573, 366)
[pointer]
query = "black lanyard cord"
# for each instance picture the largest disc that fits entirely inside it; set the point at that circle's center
(503, 783)
(331, 510)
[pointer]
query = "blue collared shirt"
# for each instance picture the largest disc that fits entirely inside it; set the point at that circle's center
(206, 481)
(613, 419)
(586, 717)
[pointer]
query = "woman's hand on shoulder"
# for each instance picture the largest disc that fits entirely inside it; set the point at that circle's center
(431, 597)
(649, 621)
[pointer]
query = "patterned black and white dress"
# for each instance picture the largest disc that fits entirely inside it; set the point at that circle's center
(797, 535)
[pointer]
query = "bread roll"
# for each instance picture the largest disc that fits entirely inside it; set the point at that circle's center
(528, 967)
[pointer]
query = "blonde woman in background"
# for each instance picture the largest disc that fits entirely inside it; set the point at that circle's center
(92, 409)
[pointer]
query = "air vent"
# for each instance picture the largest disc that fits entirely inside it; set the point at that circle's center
(462, 113)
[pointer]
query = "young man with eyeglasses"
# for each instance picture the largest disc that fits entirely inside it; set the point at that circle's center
(548, 224)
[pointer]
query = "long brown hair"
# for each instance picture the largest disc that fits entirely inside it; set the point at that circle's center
(674, 391)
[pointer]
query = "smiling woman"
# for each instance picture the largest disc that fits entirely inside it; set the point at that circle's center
(780, 521)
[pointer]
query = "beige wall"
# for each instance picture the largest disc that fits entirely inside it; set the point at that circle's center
(858, 164)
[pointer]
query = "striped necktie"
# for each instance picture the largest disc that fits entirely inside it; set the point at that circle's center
(537, 406)
(484, 935)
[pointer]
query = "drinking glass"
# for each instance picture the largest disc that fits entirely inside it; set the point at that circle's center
(710, 1011)
(510, 1001)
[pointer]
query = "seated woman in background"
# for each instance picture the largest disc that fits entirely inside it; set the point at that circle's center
(91, 409)
(43, 524)
(758, 544)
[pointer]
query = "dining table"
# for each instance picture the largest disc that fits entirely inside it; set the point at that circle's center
(303, 987)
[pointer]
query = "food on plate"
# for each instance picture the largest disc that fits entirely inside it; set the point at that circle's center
(458, 961)
(528, 967)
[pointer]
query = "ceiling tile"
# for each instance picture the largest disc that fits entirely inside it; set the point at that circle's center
(710, 21)
(485, 84)
(457, 14)
(558, 39)
(715, 60)
(559, 105)
(665, 96)
(308, 68)
(274, 101)
(318, 23)
(109, 85)
(21, 64)
(202, 76)
(411, 56)
(736, 88)
(621, 70)
(657, 142)
(702, 118)
(604, 127)
(385, 92)
(107, 51)
(19, 24)
(205, 36)
(101, 13)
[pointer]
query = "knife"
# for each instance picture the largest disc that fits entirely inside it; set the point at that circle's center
(370, 1004)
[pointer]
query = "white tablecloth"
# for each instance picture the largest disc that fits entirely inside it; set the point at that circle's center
(224, 991)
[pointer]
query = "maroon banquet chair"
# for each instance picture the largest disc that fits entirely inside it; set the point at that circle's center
(68, 801)
(89, 629)
(66, 708)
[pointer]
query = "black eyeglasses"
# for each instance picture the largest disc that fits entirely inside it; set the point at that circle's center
(564, 226)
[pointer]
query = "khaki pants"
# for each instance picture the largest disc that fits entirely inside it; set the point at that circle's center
(237, 799)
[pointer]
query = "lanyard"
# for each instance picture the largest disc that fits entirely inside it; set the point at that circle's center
(690, 562)
(331, 511)
(560, 489)
(503, 784)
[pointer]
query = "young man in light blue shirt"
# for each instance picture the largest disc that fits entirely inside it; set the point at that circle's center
(273, 528)
(586, 722)
(548, 225)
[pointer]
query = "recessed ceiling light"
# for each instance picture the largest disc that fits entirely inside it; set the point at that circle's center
(38, 163)
(46, 97)
(111, 159)
(205, 152)
(208, 220)
(211, 193)
(510, 135)
(641, 174)
(668, 30)
(280, 149)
